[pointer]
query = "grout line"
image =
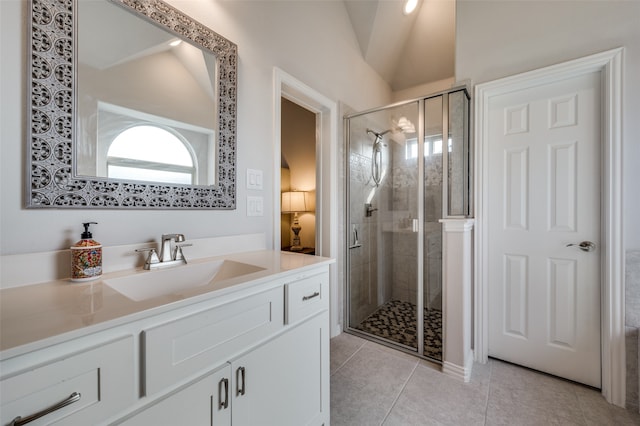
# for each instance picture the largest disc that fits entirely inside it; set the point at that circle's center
(581, 407)
(489, 385)
(404, 385)
(349, 358)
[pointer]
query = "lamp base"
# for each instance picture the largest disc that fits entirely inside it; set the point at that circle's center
(296, 246)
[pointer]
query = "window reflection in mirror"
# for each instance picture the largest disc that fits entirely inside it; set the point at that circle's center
(150, 153)
(142, 75)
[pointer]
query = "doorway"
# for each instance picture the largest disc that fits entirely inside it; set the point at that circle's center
(608, 66)
(297, 178)
(327, 161)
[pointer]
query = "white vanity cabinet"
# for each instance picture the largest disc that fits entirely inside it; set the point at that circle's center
(83, 386)
(280, 378)
(257, 355)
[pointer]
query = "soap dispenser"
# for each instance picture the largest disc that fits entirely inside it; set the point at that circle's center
(86, 257)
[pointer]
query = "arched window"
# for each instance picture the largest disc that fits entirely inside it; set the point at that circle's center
(151, 153)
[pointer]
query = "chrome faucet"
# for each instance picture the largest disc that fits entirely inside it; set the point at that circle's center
(170, 252)
(167, 252)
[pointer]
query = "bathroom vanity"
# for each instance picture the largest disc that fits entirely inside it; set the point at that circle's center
(248, 348)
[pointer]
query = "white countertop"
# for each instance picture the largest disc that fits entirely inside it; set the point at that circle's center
(37, 313)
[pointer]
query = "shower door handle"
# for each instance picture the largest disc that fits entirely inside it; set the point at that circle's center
(414, 225)
(356, 242)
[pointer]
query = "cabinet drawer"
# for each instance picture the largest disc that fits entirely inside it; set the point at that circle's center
(103, 376)
(306, 297)
(176, 350)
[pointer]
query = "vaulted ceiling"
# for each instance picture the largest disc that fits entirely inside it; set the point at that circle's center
(406, 50)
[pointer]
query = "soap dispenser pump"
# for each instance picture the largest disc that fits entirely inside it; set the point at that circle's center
(86, 257)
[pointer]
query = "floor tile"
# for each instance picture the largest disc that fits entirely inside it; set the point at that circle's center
(343, 347)
(438, 398)
(597, 411)
(375, 385)
(364, 389)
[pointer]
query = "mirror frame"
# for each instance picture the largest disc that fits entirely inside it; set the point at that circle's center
(51, 123)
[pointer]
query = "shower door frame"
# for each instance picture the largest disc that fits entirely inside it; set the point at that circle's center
(419, 351)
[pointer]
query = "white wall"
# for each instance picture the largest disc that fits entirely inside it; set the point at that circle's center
(423, 89)
(311, 40)
(495, 39)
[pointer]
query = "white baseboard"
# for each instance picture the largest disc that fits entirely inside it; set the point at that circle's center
(457, 371)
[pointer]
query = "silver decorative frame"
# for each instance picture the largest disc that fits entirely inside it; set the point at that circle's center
(51, 117)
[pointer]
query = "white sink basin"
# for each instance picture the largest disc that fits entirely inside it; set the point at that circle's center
(160, 282)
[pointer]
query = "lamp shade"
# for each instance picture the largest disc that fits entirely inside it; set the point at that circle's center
(295, 201)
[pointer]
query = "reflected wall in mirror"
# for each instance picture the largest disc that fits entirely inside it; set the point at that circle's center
(133, 105)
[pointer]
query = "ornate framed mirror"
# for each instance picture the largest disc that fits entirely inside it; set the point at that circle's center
(90, 102)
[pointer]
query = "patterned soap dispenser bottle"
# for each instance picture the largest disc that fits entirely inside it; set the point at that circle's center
(86, 257)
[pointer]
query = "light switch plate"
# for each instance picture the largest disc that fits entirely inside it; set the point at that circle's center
(255, 206)
(254, 179)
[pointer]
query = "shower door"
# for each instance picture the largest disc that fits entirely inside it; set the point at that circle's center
(383, 199)
(398, 191)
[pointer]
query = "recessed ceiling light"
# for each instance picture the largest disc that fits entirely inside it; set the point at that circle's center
(174, 43)
(410, 6)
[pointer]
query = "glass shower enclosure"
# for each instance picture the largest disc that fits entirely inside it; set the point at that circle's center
(397, 191)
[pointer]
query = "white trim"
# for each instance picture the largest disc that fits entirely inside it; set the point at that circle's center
(457, 372)
(457, 354)
(326, 110)
(612, 314)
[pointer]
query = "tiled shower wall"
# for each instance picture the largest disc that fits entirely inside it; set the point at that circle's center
(632, 323)
(366, 291)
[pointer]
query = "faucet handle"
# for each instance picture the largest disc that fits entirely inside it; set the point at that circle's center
(152, 257)
(177, 254)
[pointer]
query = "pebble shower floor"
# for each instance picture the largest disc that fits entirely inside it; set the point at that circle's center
(396, 321)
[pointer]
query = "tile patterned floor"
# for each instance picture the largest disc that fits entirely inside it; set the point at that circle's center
(375, 385)
(396, 321)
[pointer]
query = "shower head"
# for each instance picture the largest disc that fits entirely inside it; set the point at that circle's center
(378, 135)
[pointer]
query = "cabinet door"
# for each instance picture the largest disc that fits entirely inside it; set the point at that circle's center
(285, 381)
(205, 402)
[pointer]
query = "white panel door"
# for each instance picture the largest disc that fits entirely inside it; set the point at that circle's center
(544, 193)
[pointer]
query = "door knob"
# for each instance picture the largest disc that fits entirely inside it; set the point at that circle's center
(584, 246)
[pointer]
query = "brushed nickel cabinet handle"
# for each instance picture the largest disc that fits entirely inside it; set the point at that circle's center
(223, 404)
(316, 294)
(240, 381)
(19, 421)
